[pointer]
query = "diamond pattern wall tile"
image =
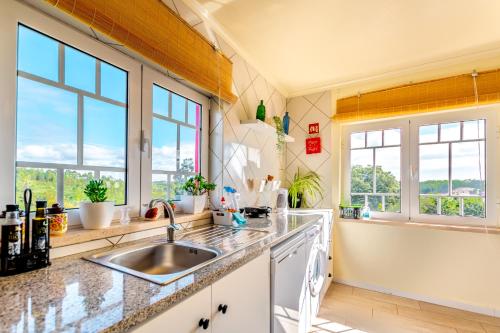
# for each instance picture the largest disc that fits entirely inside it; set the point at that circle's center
(241, 77)
(299, 145)
(297, 107)
(314, 116)
(313, 98)
(238, 155)
(324, 104)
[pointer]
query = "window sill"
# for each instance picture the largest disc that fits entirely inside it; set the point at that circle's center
(447, 227)
(77, 235)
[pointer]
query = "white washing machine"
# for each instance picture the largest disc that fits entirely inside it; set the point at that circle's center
(316, 270)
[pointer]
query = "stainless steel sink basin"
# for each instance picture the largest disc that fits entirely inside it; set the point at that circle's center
(160, 262)
(163, 262)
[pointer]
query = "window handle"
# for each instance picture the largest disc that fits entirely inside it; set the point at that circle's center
(145, 144)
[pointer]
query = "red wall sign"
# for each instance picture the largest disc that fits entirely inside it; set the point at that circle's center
(313, 145)
(314, 128)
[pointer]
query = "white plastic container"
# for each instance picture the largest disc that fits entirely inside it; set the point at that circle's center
(222, 218)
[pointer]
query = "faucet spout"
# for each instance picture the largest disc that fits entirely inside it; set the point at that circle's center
(172, 227)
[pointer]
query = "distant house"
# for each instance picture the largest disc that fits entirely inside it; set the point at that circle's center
(465, 191)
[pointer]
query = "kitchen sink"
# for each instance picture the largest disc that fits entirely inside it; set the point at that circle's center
(161, 262)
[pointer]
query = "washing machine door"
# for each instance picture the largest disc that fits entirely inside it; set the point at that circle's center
(316, 277)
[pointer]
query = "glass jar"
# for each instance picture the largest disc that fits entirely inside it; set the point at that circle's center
(58, 220)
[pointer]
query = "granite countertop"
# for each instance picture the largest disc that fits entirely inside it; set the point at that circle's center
(74, 295)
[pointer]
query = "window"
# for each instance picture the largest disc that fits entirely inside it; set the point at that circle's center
(176, 125)
(376, 169)
(452, 168)
(71, 121)
(430, 168)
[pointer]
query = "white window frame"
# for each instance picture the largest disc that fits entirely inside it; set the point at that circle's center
(489, 113)
(410, 163)
(151, 77)
(14, 13)
(346, 163)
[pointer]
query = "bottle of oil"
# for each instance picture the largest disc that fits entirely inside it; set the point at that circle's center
(11, 246)
(40, 225)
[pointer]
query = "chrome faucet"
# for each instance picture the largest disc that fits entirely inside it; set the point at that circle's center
(172, 227)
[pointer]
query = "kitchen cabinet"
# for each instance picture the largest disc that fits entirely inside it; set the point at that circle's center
(184, 317)
(245, 295)
(238, 302)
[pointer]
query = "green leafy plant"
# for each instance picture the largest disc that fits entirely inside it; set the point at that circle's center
(280, 144)
(197, 185)
(96, 190)
(305, 187)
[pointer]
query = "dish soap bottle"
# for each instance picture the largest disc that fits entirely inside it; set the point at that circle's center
(261, 111)
(366, 213)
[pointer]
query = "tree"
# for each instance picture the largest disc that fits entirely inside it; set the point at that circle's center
(362, 180)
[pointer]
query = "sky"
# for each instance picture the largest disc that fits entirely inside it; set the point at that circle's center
(47, 116)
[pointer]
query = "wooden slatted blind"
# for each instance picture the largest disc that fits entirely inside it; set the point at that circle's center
(429, 96)
(152, 29)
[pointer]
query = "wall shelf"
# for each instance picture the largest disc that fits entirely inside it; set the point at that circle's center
(260, 126)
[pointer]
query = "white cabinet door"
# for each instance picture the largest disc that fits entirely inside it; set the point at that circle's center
(246, 293)
(183, 317)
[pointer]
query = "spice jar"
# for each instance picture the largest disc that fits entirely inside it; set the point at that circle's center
(58, 220)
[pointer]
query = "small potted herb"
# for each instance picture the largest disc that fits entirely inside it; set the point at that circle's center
(195, 198)
(96, 213)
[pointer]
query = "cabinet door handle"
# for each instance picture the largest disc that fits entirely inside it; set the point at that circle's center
(204, 323)
(222, 308)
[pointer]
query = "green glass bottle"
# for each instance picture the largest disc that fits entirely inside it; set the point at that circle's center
(261, 111)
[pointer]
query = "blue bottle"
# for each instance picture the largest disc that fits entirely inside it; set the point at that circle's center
(286, 122)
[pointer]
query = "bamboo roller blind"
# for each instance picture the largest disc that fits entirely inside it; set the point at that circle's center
(428, 96)
(152, 29)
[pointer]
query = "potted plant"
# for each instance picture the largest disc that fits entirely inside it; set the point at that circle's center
(280, 133)
(98, 213)
(304, 187)
(195, 198)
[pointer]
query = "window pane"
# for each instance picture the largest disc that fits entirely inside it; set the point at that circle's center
(473, 129)
(193, 113)
(159, 187)
(188, 153)
(104, 134)
(428, 133)
(358, 140)
(41, 181)
(393, 204)
(388, 169)
(38, 54)
(358, 200)
(392, 137)
(74, 183)
(79, 69)
(115, 182)
(164, 145)
(474, 207)
(362, 171)
(160, 101)
(375, 203)
(450, 132)
(467, 169)
(428, 205)
(178, 107)
(374, 139)
(113, 83)
(450, 206)
(434, 168)
(176, 186)
(46, 123)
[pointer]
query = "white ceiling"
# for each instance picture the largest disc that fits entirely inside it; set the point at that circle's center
(307, 45)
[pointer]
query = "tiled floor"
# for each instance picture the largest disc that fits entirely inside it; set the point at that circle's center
(353, 310)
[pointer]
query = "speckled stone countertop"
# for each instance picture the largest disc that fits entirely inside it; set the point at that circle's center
(74, 295)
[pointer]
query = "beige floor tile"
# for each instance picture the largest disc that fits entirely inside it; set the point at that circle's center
(386, 298)
(460, 313)
(441, 319)
(367, 302)
(491, 328)
(410, 324)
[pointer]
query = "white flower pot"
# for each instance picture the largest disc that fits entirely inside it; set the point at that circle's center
(193, 204)
(96, 215)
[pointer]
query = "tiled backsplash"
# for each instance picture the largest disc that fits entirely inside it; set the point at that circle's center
(239, 156)
(304, 110)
